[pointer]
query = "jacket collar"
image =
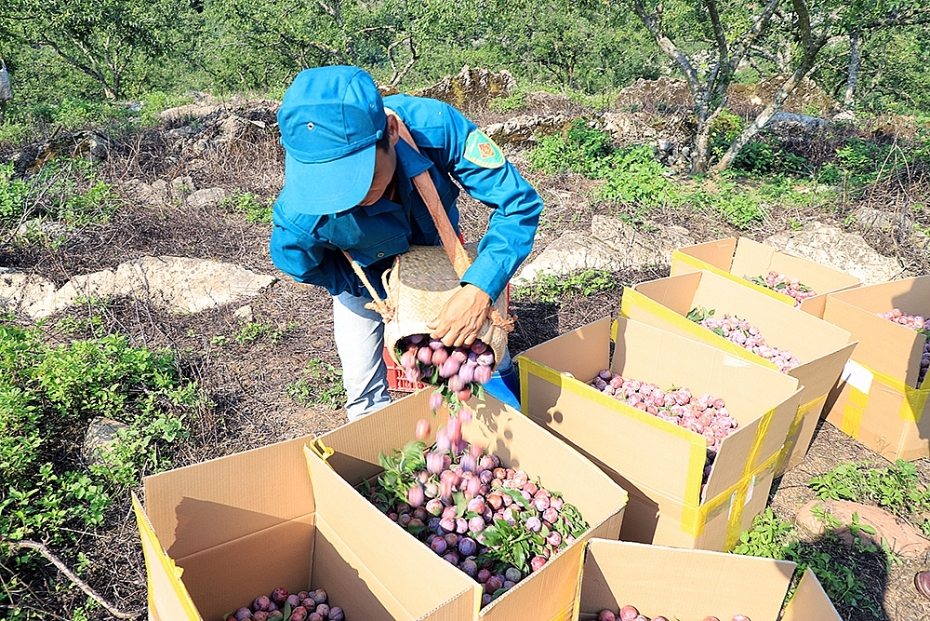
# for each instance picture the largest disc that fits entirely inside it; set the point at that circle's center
(410, 163)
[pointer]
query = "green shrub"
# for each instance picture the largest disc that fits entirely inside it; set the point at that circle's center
(510, 103)
(771, 537)
(47, 397)
(65, 190)
(724, 129)
(634, 176)
(254, 209)
(14, 197)
(631, 175)
(582, 149)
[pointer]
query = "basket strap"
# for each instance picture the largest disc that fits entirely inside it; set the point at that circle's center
(377, 304)
(424, 184)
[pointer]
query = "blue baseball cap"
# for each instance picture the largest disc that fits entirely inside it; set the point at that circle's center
(330, 119)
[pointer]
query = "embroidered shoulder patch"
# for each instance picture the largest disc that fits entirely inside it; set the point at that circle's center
(481, 150)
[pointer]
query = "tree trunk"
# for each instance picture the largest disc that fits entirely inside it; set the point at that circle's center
(701, 157)
(852, 76)
(700, 160)
(778, 99)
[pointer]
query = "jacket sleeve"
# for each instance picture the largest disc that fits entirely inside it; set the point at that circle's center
(310, 261)
(514, 205)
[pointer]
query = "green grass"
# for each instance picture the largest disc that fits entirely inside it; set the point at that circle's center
(321, 386)
(552, 288)
(836, 565)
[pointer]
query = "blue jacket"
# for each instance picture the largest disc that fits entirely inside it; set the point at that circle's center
(309, 247)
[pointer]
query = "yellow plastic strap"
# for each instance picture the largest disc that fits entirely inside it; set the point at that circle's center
(322, 451)
(168, 566)
(632, 298)
(792, 437)
(804, 410)
(915, 399)
(852, 412)
(694, 519)
(758, 441)
(677, 255)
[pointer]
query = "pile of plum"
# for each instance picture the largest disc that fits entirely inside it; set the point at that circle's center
(789, 286)
(458, 372)
(490, 521)
(630, 613)
(284, 606)
(705, 415)
(914, 322)
(745, 335)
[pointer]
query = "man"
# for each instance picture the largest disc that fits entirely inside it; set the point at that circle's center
(348, 188)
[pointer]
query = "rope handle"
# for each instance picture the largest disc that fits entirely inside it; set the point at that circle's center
(377, 304)
(424, 184)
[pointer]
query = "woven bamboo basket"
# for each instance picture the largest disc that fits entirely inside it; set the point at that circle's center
(418, 286)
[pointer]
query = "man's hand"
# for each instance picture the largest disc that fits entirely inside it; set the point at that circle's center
(461, 317)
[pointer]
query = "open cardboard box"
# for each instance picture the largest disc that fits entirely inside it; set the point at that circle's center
(550, 592)
(660, 464)
(743, 258)
(218, 534)
(618, 573)
(822, 347)
(877, 400)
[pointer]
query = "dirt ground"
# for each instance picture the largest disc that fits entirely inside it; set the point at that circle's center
(248, 384)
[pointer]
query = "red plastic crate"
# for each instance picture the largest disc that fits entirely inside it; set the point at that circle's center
(397, 378)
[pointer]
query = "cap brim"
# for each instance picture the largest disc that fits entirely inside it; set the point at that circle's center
(328, 187)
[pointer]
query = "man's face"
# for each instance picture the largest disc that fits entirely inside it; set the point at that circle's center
(385, 163)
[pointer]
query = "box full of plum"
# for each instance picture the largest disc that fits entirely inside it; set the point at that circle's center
(881, 399)
(248, 536)
(690, 431)
(751, 324)
(794, 280)
(485, 494)
(630, 582)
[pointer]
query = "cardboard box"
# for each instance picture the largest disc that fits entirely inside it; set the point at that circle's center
(744, 258)
(877, 400)
(549, 593)
(243, 525)
(691, 584)
(822, 347)
(660, 464)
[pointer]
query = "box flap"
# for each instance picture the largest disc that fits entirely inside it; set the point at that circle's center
(716, 254)
(810, 602)
(883, 345)
(167, 596)
(269, 485)
(280, 556)
(594, 339)
(755, 259)
(426, 581)
(684, 584)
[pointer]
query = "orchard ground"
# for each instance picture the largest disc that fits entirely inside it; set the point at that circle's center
(280, 383)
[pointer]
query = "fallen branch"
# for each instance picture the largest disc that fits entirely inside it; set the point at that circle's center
(44, 551)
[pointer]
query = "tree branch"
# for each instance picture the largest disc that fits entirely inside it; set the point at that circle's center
(758, 27)
(668, 46)
(912, 17)
(44, 551)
